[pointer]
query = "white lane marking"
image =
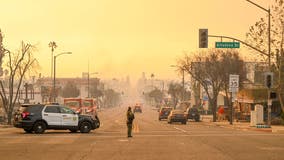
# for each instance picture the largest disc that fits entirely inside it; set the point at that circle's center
(123, 140)
(150, 135)
(271, 148)
(184, 131)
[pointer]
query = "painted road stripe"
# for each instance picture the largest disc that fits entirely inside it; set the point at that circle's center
(180, 129)
(150, 135)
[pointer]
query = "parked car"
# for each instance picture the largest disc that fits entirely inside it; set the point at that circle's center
(164, 112)
(38, 117)
(137, 108)
(177, 116)
(193, 113)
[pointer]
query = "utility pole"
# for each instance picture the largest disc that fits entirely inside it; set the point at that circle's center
(269, 59)
(88, 79)
(183, 89)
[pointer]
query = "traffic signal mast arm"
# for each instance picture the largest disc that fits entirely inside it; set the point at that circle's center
(241, 42)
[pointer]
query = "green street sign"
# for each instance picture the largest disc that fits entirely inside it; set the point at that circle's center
(227, 44)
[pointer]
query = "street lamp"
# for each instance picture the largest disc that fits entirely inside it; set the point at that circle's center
(54, 72)
(269, 56)
(183, 90)
(89, 82)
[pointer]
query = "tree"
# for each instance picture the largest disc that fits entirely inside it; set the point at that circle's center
(70, 90)
(257, 36)
(95, 88)
(209, 71)
(157, 95)
(111, 98)
(3, 51)
(18, 64)
(175, 90)
(234, 65)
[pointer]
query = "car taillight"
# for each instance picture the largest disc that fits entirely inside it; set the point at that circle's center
(25, 114)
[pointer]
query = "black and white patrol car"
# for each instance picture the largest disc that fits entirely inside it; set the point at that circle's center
(38, 117)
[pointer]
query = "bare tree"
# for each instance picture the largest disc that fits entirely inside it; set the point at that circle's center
(175, 90)
(3, 51)
(18, 65)
(257, 36)
(70, 90)
(111, 98)
(96, 90)
(207, 68)
(157, 95)
(232, 64)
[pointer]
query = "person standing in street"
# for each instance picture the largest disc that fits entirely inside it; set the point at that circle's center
(129, 121)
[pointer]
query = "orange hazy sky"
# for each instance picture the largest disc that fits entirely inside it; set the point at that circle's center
(121, 37)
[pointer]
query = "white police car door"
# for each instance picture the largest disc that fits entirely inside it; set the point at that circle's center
(52, 115)
(69, 118)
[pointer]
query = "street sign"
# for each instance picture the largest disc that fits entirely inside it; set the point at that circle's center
(227, 44)
(234, 83)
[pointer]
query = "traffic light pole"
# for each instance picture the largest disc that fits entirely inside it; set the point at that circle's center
(269, 56)
(269, 103)
(269, 64)
(262, 52)
(235, 39)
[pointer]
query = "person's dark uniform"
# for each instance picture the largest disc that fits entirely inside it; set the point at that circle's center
(129, 122)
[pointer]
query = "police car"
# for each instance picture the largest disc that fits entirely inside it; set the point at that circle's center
(38, 117)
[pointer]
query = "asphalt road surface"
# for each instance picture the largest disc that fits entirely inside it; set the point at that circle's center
(152, 139)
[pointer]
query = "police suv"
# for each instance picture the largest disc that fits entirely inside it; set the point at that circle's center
(39, 117)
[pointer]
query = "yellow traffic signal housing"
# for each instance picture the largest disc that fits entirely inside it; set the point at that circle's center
(203, 38)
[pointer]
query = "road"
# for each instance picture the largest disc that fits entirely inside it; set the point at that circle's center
(152, 139)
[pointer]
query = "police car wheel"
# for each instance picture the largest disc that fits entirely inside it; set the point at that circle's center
(85, 127)
(39, 127)
(98, 124)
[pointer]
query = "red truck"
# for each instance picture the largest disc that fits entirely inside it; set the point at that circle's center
(82, 105)
(74, 103)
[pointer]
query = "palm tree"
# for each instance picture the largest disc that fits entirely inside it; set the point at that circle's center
(52, 45)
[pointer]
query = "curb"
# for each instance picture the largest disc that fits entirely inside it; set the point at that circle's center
(246, 128)
(262, 129)
(6, 126)
(278, 131)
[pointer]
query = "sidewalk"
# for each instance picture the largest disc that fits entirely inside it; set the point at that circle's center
(241, 125)
(5, 126)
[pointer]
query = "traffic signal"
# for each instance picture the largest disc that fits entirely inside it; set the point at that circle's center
(268, 80)
(273, 95)
(203, 38)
